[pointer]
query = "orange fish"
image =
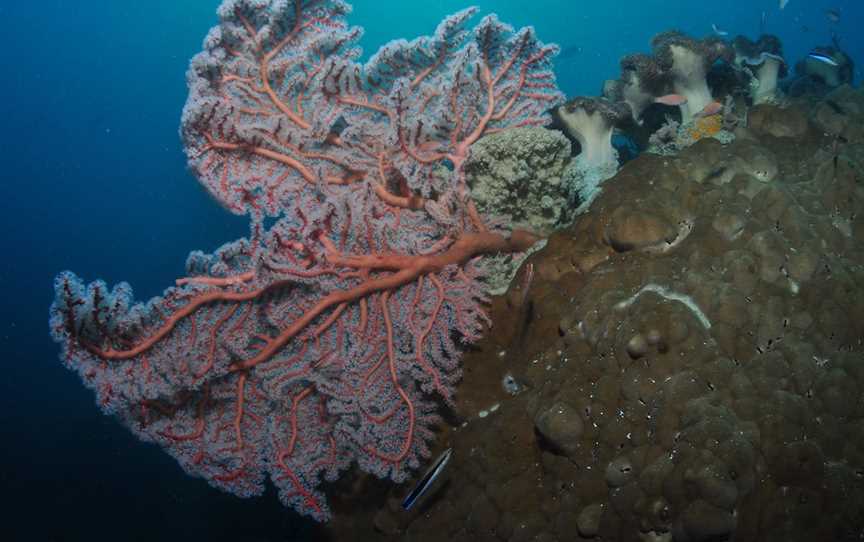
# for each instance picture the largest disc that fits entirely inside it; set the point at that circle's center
(671, 99)
(711, 109)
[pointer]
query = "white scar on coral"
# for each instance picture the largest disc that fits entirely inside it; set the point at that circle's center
(666, 293)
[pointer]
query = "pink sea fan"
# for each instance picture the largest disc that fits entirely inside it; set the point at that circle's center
(326, 337)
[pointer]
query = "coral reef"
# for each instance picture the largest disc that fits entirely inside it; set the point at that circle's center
(699, 78)
(680, 360)
(685, 363)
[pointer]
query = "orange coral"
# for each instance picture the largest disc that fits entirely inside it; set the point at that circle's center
(706, 127)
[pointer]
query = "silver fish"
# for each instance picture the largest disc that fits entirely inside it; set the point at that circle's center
(825, 59)
(428, 479)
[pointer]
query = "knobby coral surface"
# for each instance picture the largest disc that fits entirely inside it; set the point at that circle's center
(325, 337)
(686, 362)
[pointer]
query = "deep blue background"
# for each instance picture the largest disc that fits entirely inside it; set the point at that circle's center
(93, 179)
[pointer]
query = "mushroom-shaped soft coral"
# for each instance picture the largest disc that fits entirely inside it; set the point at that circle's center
(764, 59)
(642, 82)
(687, 62)
(591, 121)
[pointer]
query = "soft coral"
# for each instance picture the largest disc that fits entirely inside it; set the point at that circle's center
(591, 121)
(687, 61)
(642, 82)
(764, 59)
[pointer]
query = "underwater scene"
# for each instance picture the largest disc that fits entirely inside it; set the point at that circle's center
(301, 270)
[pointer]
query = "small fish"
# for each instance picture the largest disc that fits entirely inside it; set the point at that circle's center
(671, 99)
(428, 479)
(783, 3)
(711, 109)
(717, 30)
(825, 59)
(527, 278)
(832, 15)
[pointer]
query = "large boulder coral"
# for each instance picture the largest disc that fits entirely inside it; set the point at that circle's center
(839, 114)
(707, 330)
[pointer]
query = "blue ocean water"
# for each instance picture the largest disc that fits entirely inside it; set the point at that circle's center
(94, 179)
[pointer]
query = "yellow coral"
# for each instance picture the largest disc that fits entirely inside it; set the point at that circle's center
(706, 127)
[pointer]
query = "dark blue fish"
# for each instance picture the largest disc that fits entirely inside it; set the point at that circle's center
(825, 59)
(428, 479)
